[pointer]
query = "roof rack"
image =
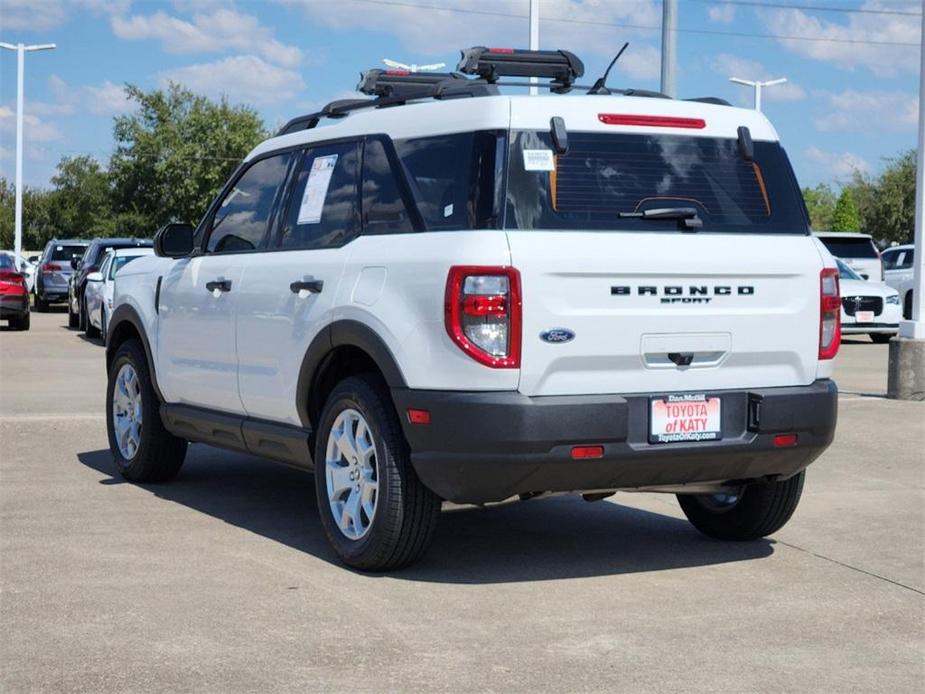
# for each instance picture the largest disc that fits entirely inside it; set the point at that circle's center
(562, 67)
(384, 83)
(397, 87)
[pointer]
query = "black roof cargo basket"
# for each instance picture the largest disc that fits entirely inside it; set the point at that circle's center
(562, 67)
(420, 85)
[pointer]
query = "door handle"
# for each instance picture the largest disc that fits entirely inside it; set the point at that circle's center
(220, 284)
(307, 285)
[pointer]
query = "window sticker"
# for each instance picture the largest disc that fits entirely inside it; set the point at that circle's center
(448, 210)
(316, 189)
(538, 160)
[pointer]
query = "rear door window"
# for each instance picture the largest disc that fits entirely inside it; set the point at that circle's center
(323, 206)
(850, 247)
(384, 209)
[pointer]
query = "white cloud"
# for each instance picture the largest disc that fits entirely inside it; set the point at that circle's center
(34, 128)
(857, 111)
(102, 99)
(641, 62)
(242, 78)
(722, 14)
(841, 165)
(440, 32)
(44, 15)
(729, 65)
(221, 30)
(882, 60)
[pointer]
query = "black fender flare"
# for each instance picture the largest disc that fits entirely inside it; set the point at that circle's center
(343, 333)
(127, 314)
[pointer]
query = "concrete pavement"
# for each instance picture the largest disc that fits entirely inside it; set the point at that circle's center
(221, 581)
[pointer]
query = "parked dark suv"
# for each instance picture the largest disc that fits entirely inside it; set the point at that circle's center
(54, 271)
(90, 262)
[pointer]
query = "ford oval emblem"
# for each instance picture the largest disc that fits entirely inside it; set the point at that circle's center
(556, 335)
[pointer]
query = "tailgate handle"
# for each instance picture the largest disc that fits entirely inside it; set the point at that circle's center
(681, 358)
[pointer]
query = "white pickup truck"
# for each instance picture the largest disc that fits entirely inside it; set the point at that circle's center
(452, 294)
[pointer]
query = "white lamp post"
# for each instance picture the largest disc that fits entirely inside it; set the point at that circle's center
(21, 52)
(758, 85)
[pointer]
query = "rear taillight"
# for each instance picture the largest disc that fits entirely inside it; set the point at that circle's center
(52, 267)
(482, 311)
(12, 278)
(829, 313)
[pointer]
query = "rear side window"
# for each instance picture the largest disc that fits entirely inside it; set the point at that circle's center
(455, 179)
(603, 175)
(6, 262)
(850, 247)
(323, 208)
(898, 260)
(66, 252)
(384, 210)
(243, 216)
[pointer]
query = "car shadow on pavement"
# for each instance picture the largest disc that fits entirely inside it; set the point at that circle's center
(538, 540)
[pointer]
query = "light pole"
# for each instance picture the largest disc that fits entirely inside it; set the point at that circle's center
(534, 39)
(669, 46)
(758, 85)
(20, 60)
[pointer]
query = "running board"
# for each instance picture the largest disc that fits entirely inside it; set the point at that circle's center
(280, 442)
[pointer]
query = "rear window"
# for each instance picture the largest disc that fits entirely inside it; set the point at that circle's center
(603, 175)
(67, 252)
(850, 247)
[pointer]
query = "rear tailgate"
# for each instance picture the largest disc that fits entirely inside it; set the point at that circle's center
(744, 307)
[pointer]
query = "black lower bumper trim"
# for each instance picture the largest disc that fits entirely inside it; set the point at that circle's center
(481, 447)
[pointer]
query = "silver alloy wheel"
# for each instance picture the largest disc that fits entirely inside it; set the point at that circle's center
(352, 474)
(126, 411)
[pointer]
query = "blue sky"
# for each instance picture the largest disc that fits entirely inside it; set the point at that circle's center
(847, 105)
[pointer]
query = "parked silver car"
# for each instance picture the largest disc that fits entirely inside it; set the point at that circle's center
(54, 271)
(898, 267)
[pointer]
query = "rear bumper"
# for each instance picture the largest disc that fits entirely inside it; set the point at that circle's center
(864, 328)
(481, 447)
(14, 306)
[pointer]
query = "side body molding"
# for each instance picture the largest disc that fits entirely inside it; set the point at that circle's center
(343, 333)
(126, 314)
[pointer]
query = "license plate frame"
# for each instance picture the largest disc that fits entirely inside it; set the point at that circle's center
(864, 316)
(695, 417)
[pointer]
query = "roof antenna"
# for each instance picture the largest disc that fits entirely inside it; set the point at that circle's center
(600, 86)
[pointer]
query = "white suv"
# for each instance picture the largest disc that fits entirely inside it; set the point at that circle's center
(477, 298)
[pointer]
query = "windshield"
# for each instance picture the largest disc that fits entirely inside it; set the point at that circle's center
(850, 247)
(604, 175)
(119, 262)
(845, 272)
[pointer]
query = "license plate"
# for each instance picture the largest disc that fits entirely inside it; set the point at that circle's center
(685, 418)
(864, 316)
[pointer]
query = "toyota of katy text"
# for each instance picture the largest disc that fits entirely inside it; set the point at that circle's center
(450, 294)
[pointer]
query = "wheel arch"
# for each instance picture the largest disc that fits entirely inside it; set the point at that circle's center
(343, 348)
(125, 324)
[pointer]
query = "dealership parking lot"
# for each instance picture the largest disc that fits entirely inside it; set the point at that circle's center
(222, 580)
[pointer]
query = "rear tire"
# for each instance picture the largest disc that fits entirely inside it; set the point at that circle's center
(143, 450)
(881, 338)
(758, 511)
(22, 323)
(360, 445)
(907, 306)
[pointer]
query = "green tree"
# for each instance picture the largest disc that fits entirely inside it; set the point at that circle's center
(820, 203)
(174, 153)
(890, 215)
(37, 227)
(81, 202)
(846, 216)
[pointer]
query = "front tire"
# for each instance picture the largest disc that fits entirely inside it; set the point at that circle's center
(757, 511)
(143, 450)
(73, 319)
(375, 512)
(92, 330)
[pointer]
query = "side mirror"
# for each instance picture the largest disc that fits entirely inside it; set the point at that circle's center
(174, 240)
(33, 259)
(95, 277)
(75, 262)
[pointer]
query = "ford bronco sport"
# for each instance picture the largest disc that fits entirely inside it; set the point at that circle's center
(448, 293)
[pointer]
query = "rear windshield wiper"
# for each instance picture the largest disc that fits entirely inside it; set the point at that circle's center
(686, 216)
